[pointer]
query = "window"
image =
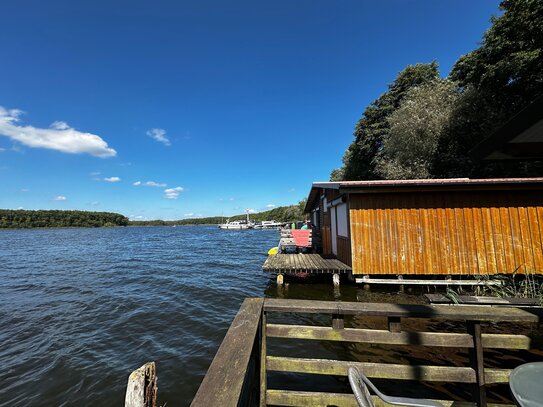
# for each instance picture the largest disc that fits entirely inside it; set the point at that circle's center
(342, 224)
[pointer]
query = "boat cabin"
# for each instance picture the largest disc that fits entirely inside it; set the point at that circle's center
(448, 227)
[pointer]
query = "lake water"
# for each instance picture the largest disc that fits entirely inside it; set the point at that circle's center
(81, 308)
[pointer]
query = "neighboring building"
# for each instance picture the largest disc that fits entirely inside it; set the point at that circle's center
(449, 227)
(521, 138)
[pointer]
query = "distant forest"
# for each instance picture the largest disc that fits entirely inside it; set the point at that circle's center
(279, 214)
(424, 125)
(17, 219)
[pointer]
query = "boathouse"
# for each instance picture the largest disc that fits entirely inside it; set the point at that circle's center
(420, 229)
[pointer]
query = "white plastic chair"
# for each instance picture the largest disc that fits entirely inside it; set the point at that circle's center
(360, 383)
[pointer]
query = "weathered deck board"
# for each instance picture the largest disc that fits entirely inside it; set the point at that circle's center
(223, 385)
(456, 312)
(310, 263)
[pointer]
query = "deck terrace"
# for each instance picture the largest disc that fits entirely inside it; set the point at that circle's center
(308, 263)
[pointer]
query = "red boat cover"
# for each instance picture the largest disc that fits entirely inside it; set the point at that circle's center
(301, 237)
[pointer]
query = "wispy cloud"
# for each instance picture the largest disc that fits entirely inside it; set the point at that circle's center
(188, 214)
(112, 179)
(172, 193)
(270, 206)
(25, 189)
(291, 190)
(95, 173)
(149, 184)
(59, 198)
(159, 135)
(2, 149)
(250, 211)
(59, 136)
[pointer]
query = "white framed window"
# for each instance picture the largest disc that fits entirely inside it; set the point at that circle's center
(342, 224)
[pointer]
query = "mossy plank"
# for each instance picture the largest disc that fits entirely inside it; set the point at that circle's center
(449, 312)
(375, 370)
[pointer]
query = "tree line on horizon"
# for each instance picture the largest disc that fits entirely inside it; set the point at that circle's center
(424, 125)
(22, 219)
(289, 213)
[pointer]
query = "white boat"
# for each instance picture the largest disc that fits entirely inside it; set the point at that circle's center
(268, 224)
(239, 225)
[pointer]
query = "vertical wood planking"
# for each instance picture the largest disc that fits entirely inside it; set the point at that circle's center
(508, 243)
(525, 236)
(517, 239)
(263, 352)
(535, 238)
(427, 233)
(488, 237)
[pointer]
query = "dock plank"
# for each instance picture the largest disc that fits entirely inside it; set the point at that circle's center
(310, 263)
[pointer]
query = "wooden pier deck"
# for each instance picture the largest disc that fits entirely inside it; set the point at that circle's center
(308, 263)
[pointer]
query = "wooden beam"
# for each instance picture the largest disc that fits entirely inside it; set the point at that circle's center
(441, 339)
(477, 363)
(396, 281)
(225, 379)
(141, 390)
(450, 312)
(307, 398)
(376, 370)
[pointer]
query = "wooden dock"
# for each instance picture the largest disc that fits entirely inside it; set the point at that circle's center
(307, 263)
(238, 375)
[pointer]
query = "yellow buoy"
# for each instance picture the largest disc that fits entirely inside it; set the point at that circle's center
(273, 251)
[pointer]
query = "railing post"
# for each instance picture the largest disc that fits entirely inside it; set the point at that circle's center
(141, 390)
(394, 324)
(477, 363)
(338, 321)
(263, 377)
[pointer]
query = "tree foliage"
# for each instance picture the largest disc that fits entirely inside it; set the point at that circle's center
(424, 127)
(415, 130)
(59, 219)
(360, 159)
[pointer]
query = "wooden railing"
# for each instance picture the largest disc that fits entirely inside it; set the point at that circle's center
(238, 373)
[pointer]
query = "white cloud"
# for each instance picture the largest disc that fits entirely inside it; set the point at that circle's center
(159, 135)
(112, 179)
(2, 149)
(58, 125)
(231, 199)
(59, 198)
(250, 211)
(59, 136)
(20, 207)
(188, 214)
(25, 189)
(270, 206)
(94, 173)
(149, 184)
(172, 193)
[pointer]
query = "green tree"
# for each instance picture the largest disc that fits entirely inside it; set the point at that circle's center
(361, 158)
(415, 129)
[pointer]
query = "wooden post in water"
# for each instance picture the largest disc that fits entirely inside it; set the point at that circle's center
(142, 389)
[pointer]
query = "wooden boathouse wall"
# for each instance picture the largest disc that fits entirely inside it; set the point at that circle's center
(446, 232)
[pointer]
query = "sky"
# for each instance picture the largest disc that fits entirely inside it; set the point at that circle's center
(173, 109)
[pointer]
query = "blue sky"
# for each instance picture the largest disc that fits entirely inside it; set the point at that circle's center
(214, 107)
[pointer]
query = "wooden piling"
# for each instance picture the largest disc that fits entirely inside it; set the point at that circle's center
(141, 390)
